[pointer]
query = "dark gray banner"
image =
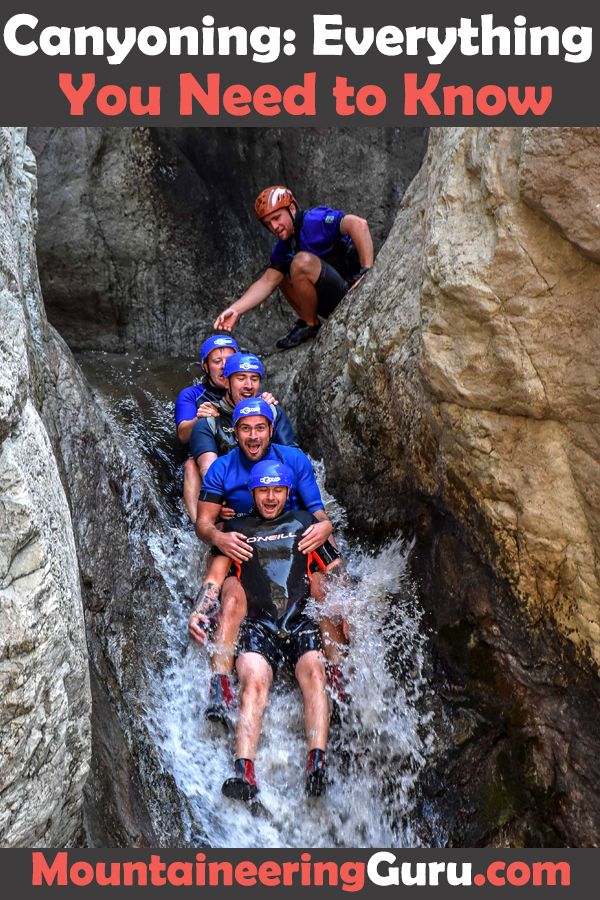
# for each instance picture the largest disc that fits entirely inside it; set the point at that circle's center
(248, 873)
(328, 63)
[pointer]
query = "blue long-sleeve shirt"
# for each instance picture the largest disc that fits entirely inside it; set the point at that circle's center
(227, 480)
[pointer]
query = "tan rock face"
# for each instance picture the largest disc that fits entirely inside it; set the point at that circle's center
(510, 315)
(455, 394)
(467, 364)
(559, 176)
(45, 701)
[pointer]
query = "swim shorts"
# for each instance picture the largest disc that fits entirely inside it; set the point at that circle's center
(279, 648)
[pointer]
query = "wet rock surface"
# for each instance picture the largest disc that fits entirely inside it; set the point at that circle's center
(76, 525)
(45, 705)
(130, 800)
(145, 233)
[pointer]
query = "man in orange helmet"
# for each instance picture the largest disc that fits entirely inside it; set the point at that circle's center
(319, 255)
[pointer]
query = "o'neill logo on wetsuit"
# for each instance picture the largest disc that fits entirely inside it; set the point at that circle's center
(270, 537)
(250, 409)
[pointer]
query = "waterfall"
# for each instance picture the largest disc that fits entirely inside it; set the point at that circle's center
(379, 742)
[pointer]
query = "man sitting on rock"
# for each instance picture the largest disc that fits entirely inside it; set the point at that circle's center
(275, 580)
(320, 254)
(226, 484)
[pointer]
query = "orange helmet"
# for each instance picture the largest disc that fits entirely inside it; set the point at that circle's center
(273, 198)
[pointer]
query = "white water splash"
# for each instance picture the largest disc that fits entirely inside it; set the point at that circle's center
(376, 749)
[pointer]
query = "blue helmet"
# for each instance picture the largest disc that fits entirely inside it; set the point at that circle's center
(267, 472)
(254, 407)
(216, 342)
(242, 362)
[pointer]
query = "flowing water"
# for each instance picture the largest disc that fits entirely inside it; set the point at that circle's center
(379, 741)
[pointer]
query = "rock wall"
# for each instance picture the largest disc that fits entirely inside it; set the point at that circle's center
(45, 693)
(145, 233)
(76, 523)
(464, 376)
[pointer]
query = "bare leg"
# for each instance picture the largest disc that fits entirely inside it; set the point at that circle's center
(191, 488)
(299, 288)
(255, 676)
(332, 634)
(310, 672)
(233, 610)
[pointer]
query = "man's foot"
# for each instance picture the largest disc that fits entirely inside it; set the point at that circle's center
(220, 700)
(243, 785)
(300, 333)
(315, 783)
(337, 684)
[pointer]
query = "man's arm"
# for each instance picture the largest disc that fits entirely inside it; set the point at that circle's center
(358, 230)
(308, 489)
(206, 410)
(258, 291)
(231, 543)
(206, 604)
(205, 461)
(284, 433)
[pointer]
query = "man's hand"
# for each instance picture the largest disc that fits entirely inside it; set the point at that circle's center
(198, 633)
(226, 513)
(226, 320)
(206, 410)
(315, 535)
(355, 285)
(234, 545)
(363, 272)
(269, 398)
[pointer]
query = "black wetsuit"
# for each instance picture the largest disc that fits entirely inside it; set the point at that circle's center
(277, 586)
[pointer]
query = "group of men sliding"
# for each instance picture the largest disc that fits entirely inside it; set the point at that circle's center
(253, 497)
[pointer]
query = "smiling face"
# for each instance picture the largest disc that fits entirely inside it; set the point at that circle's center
(253, 435)
(213, 365)
(243, 386)
(281, 222)
(270, 501)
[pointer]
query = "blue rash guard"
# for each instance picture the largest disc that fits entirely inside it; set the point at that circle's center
(216, 435)
(190, 398)
(317, 231)
(227, 480)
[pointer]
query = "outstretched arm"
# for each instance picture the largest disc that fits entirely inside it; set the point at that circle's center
(206, 605)
(258, 291)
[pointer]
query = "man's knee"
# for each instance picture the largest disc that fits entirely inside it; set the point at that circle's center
(233, 601)
(255, 680)
(305, 264)
(310, 671)
(190, 468)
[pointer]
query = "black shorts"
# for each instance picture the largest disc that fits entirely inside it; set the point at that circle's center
(330, 287)
(279, 648)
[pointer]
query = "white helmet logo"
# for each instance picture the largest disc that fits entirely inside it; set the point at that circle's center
(223, 342)
(247, 410)
(270, 479)
(248, 365)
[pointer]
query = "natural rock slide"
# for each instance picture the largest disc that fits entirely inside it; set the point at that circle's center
(453, 398)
